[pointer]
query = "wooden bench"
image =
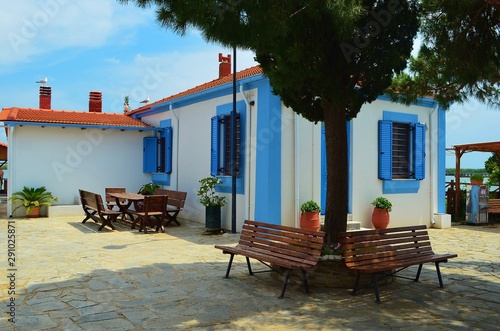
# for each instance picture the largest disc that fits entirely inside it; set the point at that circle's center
(276, 245)
(94, 208)
(494, 206)
(176, 200)
(388, 251)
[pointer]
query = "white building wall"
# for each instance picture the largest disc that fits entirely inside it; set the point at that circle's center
(408, 208)
(65, 160)
(301, 165)
(191, 160)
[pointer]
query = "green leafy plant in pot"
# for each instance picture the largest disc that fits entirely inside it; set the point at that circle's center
(149, 189)
(476, 179)
(309, 217)
(212, 202)
(32, 199)
(380, 215)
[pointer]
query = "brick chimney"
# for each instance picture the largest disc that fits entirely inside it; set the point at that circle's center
(45, 97)
(224, 65)
(95, 102)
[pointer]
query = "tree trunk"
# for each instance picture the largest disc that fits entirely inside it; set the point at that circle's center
(337, 175)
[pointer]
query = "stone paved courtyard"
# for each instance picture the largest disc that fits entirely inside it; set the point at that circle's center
(68, 276)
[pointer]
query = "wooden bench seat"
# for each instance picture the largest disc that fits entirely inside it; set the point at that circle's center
(388, 251)
(277, 245)
(176, 201)
(94, 208)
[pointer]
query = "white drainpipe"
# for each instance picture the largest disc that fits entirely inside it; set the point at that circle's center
(248, 128)
(176, 147)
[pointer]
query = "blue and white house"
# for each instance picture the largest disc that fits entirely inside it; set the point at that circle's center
(394, 151)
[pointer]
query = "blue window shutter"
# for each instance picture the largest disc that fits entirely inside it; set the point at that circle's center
(419, 150)
(385, 150)
(214, 148)
(168, 150)
(150, 157)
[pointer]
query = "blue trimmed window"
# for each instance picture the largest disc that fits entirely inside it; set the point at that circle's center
(401, 150)
(220, 164)
(220, 146)
(158, 152)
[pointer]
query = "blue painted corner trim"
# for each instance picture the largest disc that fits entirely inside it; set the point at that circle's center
(400, 186)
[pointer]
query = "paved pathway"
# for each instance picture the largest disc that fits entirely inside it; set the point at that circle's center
(70, 277)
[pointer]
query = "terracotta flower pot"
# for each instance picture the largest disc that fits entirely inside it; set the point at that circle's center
(380, 218)
(310, 221)
(34, 213)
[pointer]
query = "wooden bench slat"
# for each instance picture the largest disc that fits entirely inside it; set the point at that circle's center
(283, 246)
(283, 253)
(297, 244)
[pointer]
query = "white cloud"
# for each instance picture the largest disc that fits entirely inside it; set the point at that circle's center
(161, 75)
(33, 28)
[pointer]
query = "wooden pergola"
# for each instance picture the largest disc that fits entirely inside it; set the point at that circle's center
(492, 147)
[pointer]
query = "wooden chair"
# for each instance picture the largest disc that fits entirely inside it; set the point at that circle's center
(153, 209)
(110, 201)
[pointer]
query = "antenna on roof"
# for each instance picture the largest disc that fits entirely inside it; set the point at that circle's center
(42, 81)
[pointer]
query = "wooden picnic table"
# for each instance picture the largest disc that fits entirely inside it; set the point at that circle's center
(124, 201)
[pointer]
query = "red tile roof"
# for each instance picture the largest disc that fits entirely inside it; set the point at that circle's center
(35, 115)
(252, 71)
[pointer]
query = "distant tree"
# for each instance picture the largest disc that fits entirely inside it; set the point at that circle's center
(460, 55)
(492, 167)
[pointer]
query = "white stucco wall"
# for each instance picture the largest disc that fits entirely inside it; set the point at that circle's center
(191, 160)
(301, 165)
(408, 208)
(65, 160)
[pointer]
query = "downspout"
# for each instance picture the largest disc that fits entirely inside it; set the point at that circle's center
(176, 147)
(10, 151)
(296, 168)
(248, 154)
(433, 185)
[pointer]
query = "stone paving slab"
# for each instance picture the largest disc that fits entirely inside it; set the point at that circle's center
(71, 277)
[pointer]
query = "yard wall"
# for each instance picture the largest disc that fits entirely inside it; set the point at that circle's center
(67, 159)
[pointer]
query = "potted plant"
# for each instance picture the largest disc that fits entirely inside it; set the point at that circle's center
(380, 215)
(476, 179)
(149, 189)
(309, 217)
(212, 202)
(32, 199)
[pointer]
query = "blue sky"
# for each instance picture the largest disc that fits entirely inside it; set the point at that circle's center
(88, 45)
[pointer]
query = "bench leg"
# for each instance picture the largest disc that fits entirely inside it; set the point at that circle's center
(418, 273)
(439, 275)
(107, 221)
(356, 283)
(229, 266)
(304, 278)
(249, 267)
(172, 218)
(375, 286)
(88, 215)
(283, 289)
